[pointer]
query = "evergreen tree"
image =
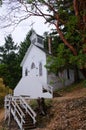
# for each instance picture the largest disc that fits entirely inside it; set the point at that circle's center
(8, 49)
(9, 62)
(24, 46)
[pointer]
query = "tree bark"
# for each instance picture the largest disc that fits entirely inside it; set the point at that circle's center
(76, 74)
(83, 71)
(62, 36)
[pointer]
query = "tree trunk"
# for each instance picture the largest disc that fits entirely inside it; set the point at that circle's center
(83, 71)
(76, 74)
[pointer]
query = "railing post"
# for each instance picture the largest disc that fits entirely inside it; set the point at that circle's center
(29, 109)
(8, 99)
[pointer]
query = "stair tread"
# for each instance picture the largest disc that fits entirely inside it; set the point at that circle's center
(29, 123)
(29, 126)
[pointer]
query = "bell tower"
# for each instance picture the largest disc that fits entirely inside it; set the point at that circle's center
(37, 40)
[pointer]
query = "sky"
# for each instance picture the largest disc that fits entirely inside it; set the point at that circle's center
(20, 32)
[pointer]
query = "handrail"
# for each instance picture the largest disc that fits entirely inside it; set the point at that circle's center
(16, 113)
(12, 105)
(20, 110)
(28, 109)
(50, 89)
(7, 105)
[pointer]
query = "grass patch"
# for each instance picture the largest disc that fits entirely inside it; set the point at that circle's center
(33, 103)
(41, 119)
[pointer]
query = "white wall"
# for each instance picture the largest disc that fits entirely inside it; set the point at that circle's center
(61, 80)
(35, 55)
(30, 86)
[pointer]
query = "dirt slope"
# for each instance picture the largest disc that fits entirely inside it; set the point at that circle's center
(1, 117)
(66, 113)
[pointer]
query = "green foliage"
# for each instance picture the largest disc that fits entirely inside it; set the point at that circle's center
(8, 50)
(33, 103)
(24, 46)
(64, 58)
(60, 61)
(55, 40)
(0, 2)
(11, 56)
(79, 60)
(9, 62)
(29, 1)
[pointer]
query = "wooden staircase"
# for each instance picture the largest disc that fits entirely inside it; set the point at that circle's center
(23, 114)
(28, 121)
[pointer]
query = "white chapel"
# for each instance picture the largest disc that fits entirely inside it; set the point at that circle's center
(36, 81)
(34, 74)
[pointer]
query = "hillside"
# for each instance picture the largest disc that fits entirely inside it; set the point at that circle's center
(67, 112)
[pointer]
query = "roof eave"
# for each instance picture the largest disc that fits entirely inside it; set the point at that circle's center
(26, 54)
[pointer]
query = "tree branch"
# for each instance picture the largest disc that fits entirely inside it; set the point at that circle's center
(62, 36)
(75, 4)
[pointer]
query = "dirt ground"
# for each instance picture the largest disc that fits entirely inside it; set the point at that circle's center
(1, 117)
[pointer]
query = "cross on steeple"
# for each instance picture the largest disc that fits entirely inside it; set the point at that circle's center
(32, 23)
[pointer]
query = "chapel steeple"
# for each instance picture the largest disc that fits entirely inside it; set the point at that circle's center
(37, 40)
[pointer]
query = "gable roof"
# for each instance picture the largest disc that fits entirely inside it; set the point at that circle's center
(26, 54)
(31, 45)
(34, 33)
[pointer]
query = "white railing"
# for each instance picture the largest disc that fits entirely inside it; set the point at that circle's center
(26, 106)
(28, 109)
(17, 113)
(12, 105)
(7, 101)
(50, 89)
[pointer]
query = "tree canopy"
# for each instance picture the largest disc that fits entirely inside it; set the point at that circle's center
(11, 56)
(69, 20)
(9, 64)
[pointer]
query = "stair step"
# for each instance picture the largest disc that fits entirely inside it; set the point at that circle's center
(29, 127)
(26, 124)
(28, 119)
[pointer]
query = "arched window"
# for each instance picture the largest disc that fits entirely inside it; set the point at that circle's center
(26, 72)
(40, 69)
(32, 65)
